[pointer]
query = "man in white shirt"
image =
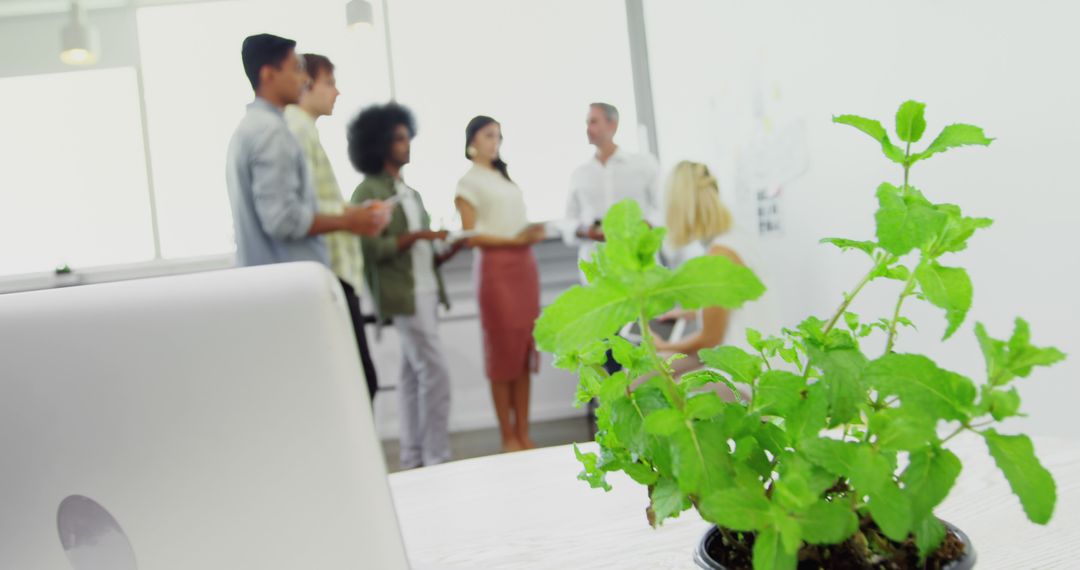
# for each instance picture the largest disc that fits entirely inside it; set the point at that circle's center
(611, 175)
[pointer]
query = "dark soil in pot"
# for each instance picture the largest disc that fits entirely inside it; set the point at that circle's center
(728, 550)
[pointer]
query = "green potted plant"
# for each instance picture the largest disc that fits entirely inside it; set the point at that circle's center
(840, 455)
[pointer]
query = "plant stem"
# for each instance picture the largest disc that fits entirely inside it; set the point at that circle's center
(847, 303)
(849, 298)
(697, 447)
(967, 427)
(766, 360)
(907, 168)
(909, 286)
(955, 433)
(670, 387)
(911, 278)
(637, 408)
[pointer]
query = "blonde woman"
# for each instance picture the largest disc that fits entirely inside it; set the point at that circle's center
(699, 224)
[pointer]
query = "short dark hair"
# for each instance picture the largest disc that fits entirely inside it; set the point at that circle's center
(610, 111)
(316, 65)
(371, 133)
(264, 49)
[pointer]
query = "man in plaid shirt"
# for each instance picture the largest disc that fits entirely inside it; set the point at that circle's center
(344, 247)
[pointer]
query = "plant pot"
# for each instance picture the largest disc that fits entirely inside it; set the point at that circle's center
(704, 560)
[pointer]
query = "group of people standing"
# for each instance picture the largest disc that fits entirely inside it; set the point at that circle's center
(287, 206)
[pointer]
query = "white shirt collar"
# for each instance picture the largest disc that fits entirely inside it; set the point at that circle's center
(617, 156)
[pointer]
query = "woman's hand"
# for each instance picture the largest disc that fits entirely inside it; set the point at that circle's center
(658, 342)
(450, 253)
(434, 235)
(405, 241)
(676, 314)
(672, 315)
(534, 233)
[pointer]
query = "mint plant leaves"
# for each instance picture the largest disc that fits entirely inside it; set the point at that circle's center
(1015, 358)
(906, 220)
(948, 288)
(1032, 483)
(876, 132)
(910, 123)
(954, 136)
(839, 426)
(626, 283)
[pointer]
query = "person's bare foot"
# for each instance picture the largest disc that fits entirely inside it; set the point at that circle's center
(527, 442)
(511, 445)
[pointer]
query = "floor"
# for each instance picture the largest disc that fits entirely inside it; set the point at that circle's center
(483, 442)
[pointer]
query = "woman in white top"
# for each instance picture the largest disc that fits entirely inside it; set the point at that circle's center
(699, 224)
(507, 281)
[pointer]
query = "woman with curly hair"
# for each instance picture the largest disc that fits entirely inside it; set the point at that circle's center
(401, 267)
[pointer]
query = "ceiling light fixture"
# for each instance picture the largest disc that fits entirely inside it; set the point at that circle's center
(79, 40)
(358, 13)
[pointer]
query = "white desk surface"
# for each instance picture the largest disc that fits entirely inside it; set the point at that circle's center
(528, 510)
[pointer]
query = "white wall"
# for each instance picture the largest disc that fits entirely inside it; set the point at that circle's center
(96, 202)
(1008, 67)
(534, 67)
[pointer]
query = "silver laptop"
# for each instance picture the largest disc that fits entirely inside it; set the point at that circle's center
(207, 421)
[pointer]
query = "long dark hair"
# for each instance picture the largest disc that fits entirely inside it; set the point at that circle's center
(474, 127)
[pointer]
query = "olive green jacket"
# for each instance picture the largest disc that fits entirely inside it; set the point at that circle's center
(389, 272)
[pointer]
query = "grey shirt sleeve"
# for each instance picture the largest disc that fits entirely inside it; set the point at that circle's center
(277, 181)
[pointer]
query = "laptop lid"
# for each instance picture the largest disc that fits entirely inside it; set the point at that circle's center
(213, 420)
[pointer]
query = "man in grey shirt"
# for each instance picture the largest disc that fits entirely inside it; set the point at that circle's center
(271, 191)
